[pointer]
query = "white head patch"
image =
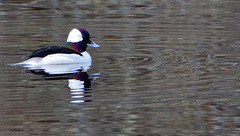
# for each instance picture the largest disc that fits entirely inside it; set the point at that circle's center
(74, 36)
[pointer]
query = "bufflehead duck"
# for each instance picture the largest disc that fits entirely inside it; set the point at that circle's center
(74, 52)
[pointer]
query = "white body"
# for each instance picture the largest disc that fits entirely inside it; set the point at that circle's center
(58, 59)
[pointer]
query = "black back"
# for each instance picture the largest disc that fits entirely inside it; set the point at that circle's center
(42, 52)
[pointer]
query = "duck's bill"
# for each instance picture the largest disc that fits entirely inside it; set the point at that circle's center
(93, 44)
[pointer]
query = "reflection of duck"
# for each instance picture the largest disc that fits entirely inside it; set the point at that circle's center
(80, 86)
(80, 81)
(74, 52)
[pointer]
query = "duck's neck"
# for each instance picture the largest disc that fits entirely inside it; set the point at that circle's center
(77, 46)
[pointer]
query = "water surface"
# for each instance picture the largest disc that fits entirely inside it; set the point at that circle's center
(167, 67)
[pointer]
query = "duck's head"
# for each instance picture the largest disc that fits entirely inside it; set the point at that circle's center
(79, 39)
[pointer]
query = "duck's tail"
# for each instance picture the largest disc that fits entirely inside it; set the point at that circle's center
(31, 61)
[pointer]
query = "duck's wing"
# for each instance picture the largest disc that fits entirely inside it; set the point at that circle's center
(42, 52)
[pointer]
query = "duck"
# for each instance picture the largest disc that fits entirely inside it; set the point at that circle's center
(75, 51)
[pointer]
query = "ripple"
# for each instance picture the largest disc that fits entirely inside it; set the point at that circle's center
(142, 58)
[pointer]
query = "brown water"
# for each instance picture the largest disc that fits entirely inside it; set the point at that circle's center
(165, 67)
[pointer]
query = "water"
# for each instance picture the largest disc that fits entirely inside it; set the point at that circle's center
(168, 68)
